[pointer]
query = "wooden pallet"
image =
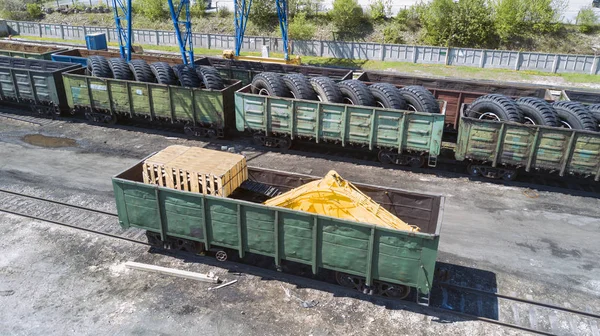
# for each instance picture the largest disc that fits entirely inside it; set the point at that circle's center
(196, 169)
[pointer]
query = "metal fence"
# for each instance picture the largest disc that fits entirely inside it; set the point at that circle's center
(482, 58)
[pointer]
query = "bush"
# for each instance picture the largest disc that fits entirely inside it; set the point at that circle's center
(516, 18)
(300, 28)
(34, 11)
(377, 11)
(468, 23)
(224, 12)
(408, 19)
(347, 16)
(264, 15)
(198, 10)
(587, 20)
(392, 33)
(152, 9)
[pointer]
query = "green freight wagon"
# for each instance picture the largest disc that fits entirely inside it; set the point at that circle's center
(498, 149)
(246, 70)
(12, 49)
(401, 137)
(388, 260)
(35, 83)
(200, 112)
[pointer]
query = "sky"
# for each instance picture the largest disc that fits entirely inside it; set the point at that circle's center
(573, 6)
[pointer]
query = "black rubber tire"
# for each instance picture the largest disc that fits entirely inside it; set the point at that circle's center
(163, 73)
(269, 84)
(187, 76)
(388, 96)
(98, 66)
(356, 92)
(503, 107)
(142, 72)
(210, 77)
(576, 115)
(120, 69)
(595, 110)
(420, 99)
(326, 90)
(299, 86)
(537, 111)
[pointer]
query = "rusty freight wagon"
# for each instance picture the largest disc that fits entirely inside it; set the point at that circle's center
(22, 50)
(389, 261)
(198, 111)
(34, 83)
(457, 92)
(246, 70)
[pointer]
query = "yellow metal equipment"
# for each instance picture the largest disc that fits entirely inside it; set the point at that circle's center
(333, 196)
(230, 54)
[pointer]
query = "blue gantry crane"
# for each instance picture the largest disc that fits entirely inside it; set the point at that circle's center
(241, 14)
(180, 14)
(122, 9)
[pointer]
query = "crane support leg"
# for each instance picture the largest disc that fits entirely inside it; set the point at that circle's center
(180, 14)
(282, 14)
(241, 12)
(122, 9)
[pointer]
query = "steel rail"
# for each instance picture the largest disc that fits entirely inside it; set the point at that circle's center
(439, 309)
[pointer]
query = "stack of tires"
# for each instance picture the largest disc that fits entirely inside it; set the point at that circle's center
(353, 92)
(536, 111)
(158, 72)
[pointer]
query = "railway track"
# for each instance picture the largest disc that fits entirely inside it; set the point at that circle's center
(447, 296)
(446, 166)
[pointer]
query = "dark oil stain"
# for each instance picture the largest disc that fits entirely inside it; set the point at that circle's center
(49, 141)
(559, 251)
(527, 245)
(589, 266)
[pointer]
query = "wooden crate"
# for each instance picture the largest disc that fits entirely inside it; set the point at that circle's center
(196, 169)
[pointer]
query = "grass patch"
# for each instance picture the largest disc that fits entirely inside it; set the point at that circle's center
(465, 72)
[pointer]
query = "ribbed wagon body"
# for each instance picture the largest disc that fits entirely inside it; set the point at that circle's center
(374, 253)
(35, 83)
(348, 125)
(205, 111)
(246, 70)
(15, 49)
(530, 147)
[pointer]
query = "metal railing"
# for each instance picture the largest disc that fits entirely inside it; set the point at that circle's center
(482, 58)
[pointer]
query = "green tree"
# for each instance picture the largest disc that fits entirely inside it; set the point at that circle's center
(586, 19)
(152, 9)
(263, 14)
(392, 33)
(34, 10)
(468, 23)
(300, 28)
(347, 16)
(515, 18)
(198, 10)
(377, 11)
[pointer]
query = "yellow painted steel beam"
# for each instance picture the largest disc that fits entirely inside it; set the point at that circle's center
(229, 54)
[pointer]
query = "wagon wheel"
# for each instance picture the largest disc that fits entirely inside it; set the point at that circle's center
(285, 143)
(417, 162)
(392, 290)
(221, 255)
(350, 281)
(385, 156)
